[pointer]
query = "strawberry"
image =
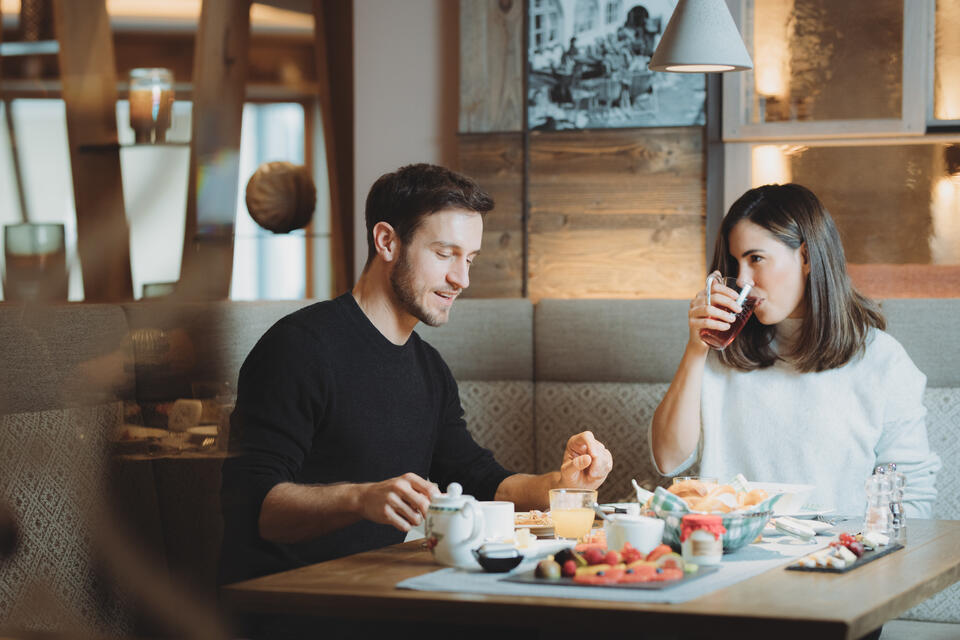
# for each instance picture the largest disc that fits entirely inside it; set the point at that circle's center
(569, 569)
(594, 556)
(612, 558)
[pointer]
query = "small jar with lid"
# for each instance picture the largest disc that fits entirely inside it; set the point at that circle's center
(701, 539)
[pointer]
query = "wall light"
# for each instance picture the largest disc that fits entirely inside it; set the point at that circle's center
(701, 37)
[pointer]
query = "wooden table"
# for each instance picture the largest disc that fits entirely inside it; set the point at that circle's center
(791, 604)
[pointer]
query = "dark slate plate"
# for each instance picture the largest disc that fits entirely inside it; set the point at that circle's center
(868, 556)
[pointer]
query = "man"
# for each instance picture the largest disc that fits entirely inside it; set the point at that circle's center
(343, 412)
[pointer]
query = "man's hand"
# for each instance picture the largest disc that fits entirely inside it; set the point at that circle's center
(402, 501)
(586, 462)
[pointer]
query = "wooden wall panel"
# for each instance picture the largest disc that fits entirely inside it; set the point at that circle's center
(616, 214)
(881, 281)
(495, 161)
(491, 65)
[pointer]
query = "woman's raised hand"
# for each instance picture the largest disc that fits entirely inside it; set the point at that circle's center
(718, 314)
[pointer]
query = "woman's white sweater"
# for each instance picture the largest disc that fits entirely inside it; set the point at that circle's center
(829, 428)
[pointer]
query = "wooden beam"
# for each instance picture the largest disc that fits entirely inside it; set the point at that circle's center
(89, 83)
(219, 77)
(334, 44)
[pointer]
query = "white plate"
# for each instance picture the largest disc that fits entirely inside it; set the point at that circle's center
(204, 430)
(806, 514)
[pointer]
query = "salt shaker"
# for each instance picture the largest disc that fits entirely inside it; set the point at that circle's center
(879, 490)
(898, 521)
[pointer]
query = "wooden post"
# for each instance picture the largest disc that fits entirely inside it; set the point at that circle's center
(334, 42)
(88, 76)
(219, 86)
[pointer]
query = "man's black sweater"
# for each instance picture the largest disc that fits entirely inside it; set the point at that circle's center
(324, 397)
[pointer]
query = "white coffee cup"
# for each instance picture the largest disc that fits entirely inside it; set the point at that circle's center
(641, 532)
(497, 520)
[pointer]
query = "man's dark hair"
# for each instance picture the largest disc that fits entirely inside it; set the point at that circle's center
(405, 197)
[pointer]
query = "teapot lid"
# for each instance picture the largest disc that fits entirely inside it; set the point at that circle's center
(452, 498)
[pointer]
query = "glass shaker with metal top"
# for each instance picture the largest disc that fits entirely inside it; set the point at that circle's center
(898, 519)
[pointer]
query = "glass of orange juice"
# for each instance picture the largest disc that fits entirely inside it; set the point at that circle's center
(572, 512)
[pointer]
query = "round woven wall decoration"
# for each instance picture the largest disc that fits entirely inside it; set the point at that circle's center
(281, 196)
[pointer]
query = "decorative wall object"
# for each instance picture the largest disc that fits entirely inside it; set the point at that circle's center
(588, 68)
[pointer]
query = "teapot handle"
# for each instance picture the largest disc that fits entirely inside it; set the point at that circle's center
(477, 515)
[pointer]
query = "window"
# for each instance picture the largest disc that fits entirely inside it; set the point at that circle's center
(585, 16)
(614, 11)
(821, 70)
(268, 265)
(545, 15)
(846, 107)
(155, 188)
(945, 104)
(40, 128)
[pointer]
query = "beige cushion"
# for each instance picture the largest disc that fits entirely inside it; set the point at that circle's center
(618, 415)
(943, 607)
(63, 355)
(943, 419)
(609, 340)
(177, 344)
(486, 339)
(53, 478)
(927, 330)
(499, 416)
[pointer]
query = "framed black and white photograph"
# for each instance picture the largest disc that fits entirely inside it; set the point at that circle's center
(588, 67)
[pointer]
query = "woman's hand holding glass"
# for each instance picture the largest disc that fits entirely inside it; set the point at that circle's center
(715, 311)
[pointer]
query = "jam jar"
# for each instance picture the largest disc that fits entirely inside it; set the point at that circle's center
(701, 539)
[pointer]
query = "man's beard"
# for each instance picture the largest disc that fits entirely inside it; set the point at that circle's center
(402, 282)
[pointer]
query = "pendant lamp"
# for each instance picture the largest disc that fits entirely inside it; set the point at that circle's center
(701, 37)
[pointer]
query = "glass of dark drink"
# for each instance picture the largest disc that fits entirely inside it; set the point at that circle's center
(747, 298)
(35, 260)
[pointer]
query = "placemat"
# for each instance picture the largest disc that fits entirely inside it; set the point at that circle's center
(747, 562)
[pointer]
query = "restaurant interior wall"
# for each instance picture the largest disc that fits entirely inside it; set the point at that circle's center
(405, 79)
(281, 122)
(622, 213)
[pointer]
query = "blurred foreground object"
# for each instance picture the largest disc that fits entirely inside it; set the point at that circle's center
(281, 196)
(151, 104)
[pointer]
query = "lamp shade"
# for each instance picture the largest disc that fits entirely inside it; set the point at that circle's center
(701, 37)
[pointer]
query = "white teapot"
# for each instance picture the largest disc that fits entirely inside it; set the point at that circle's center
(454, 528)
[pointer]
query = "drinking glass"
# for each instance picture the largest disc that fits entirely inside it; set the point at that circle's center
(720, 340)
(151, 104)
(572, 512)
(36, 262)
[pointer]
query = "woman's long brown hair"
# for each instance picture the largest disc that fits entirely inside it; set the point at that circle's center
(836, 316)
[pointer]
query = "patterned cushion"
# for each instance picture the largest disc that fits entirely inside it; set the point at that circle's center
(943, 421)
(618, 415)
(53, 478)
(943, 425)
(500, 417)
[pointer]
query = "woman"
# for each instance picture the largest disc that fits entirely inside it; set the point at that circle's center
(812, 391)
